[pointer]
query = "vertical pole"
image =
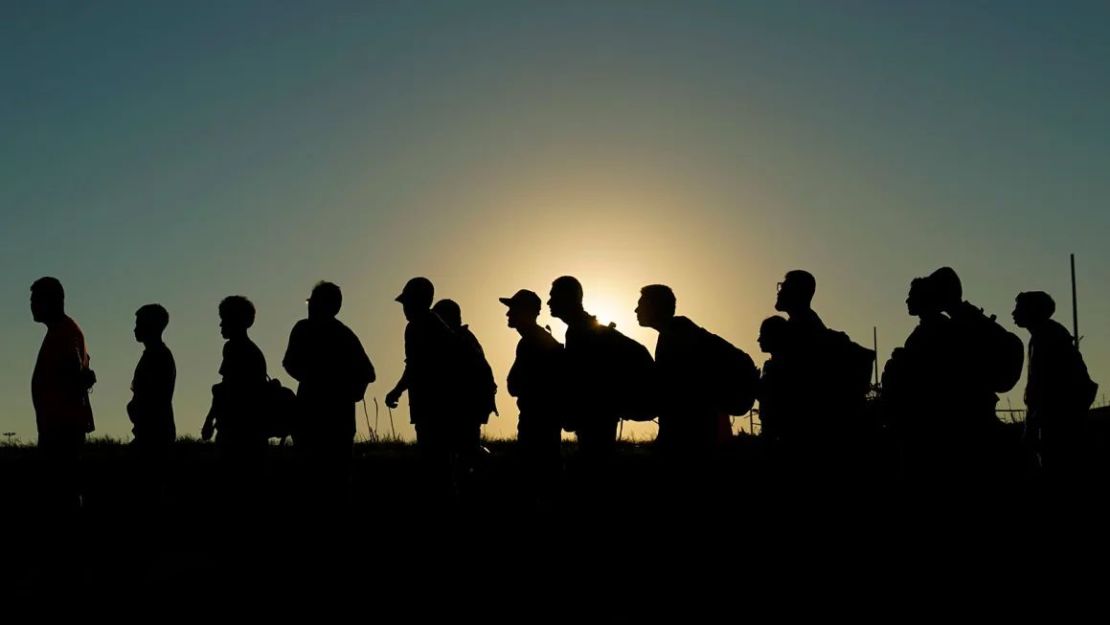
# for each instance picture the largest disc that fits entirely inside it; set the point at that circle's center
(875, 343)
(1074, 305)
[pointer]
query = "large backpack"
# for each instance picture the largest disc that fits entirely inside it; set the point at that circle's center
(631, 371)
(280, 417)
(844, 372)
(999, 352)
(732, 375)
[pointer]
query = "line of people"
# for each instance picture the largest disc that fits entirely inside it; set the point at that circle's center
(938, 392)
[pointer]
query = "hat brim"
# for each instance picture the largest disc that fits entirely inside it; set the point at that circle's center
(508, 301)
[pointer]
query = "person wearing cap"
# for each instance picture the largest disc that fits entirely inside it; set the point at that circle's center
(332, 370)
(430, 355)
(536, 380)
(1058, 391)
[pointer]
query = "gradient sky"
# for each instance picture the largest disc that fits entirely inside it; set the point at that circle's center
(178, 152)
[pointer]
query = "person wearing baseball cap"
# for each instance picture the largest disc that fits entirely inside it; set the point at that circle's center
(536, 380)
(429, 356)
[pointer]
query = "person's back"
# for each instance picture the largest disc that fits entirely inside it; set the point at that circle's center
(1058, 393)
(151, 407)
(429, 354)
(480, 398)
(595, 414)
(332, 370)
(243, 373)
(1058, 379)
(59, 395)
(688, 417)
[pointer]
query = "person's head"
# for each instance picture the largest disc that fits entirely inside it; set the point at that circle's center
(448, 310)
(656, 306)
(325, 301)
(150, 321)
(236, 316)
(795, 291)
(948, 288)
(1033, 308)
(773, 334)
(566, 297)
(922, 299)
(524, 309)
(47, 300)
(416, 297)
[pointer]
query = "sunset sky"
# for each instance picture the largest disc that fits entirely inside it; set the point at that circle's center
(179, 152)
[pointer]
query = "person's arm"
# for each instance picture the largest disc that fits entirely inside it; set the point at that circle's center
(394, 396)
(402, 385)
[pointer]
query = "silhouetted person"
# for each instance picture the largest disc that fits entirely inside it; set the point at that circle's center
(918, 388)
(239, 405)
(1058, 392)
(475, 393)
(536, 379)
(593, 417)
(60, 394)
(776, 411)
(692, 423)
(986, 360)
(601, 384)
(332, 371)
(430, 364)
(829, 376)
(151, 405)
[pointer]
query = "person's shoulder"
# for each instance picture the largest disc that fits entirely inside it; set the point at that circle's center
(70, 329)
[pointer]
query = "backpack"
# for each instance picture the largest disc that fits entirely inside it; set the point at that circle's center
(732, 376)
(633, 371)
(279, 419)
(1000, 353)
(844, 372)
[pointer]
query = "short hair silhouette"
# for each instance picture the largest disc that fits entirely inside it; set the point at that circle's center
(418, 292)
(804, 282)
(922, 297)
(568, 286)
(773, 333)
(50, 289)
(448, 310)
(947, 286)
(1038, 304)
(661, 298)
(328, 296)
(154, 314)
(237, 310)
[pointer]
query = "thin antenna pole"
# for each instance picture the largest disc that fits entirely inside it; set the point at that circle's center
(1074, 305)
(875, 343)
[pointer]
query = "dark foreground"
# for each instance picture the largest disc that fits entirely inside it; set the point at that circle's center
(745, 532)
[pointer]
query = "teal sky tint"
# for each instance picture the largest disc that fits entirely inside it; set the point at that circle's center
(180, 152)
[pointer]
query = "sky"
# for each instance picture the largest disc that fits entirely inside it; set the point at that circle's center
(182, 152)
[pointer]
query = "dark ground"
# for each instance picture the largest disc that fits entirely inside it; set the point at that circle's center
(750, 537)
